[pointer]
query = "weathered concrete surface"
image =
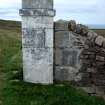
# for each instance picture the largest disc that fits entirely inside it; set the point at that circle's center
(37, 40)
(38, 65)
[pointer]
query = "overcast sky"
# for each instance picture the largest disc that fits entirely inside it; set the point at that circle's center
(83, 11)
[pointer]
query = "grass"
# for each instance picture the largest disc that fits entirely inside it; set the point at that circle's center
(13, 91)
(100, 31)
(29, 94)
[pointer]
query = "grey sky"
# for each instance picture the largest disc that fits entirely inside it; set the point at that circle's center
(83, 11)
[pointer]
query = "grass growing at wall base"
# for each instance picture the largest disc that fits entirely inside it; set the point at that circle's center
(28, 94)
(13, 91)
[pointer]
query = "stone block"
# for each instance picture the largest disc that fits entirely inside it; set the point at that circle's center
(78, 29)
(49, 37)
(100, 82)
(104, 44)
(91, 70)
(99, 40)
(37, 38)
(37, 22)
(100, 58)
(90, 90)
(62, 39)
(85, 80)
(92, 56)
(70, 58)
(37, 56)
(91, 35)
(84, 30)
(87, 52)
(64, 73)
(34, 37)
(66, 57)
(38, 73)
(58, 56)
(84, 56)
(38, 65)
(100, 91)
(99, 63)
(72, 25)
(61, 25)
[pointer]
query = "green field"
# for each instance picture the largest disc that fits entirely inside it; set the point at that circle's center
(100, 31)
(13, 91)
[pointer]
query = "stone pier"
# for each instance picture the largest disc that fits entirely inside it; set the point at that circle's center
(37, 40)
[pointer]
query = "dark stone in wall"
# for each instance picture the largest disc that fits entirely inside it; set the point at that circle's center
(61, 26)
(62, 39)
(58, 56)
(61, 74)
(69, 58)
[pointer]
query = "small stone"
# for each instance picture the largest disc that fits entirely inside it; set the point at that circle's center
(92, 35)
(84, 30)
(86, 47)
(16, 80)
(78, 29)
(95, 34)
(92, 56)
(88, 42)
(61, 25)
(100, 58)
(15, 72)
(104, 44)
(99, 40)
(99, 91)
(89, 89)
(91, 70)
(60, 85)
(84, 56)
(88, 53)
(103, 49)
(89, 35)
(99, 63)
(81, 29)
(72, 25)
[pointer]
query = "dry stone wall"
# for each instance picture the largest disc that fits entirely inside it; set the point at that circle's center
(80, 56)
